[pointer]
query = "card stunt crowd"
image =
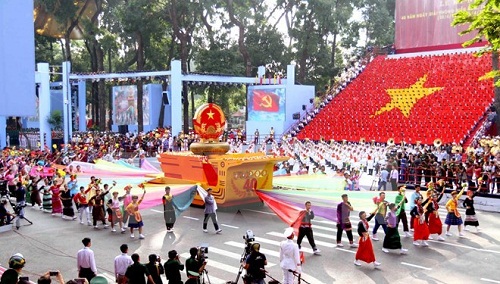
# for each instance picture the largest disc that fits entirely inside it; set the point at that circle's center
(98, 204)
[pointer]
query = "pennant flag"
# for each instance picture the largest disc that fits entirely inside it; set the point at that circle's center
(265, 101)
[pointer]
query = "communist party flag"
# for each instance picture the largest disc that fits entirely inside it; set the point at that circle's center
(265, 101)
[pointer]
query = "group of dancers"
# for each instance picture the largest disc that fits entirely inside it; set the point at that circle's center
(424, 221)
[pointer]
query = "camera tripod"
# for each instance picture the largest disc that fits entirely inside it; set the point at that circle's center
(298, 275)
(240, 271)
(17, 210)
(204, 274)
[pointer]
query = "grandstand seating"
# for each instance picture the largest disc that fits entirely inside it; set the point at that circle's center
(449, 113)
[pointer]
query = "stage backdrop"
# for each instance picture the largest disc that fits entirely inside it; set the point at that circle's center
(266, 103)
(426, 25)
(17, 58)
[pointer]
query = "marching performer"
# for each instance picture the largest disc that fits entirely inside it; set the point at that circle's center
(470, 212)
(432, 216)
(392, 239)
(421, 228)
(135, 220)
(343, 222)
(115, 212)
(401, 213)
(453, 217)
(168, 210)
(365, 250)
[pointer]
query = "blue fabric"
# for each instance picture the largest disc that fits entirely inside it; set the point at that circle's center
(182, 201)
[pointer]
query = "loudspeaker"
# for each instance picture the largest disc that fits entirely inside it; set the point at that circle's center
(296, 116)
(303, 107)
(123, 129)
(165, 98)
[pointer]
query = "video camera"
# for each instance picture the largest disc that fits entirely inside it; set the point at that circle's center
(249, 238)
(202, 252)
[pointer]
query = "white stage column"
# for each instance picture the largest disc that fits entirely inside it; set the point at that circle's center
(66, 68)
(290, 75)
(176, 102)
(82, 105)
(3, 132)
(44, 105)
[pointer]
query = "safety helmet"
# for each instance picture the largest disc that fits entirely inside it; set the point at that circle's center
(17, 261)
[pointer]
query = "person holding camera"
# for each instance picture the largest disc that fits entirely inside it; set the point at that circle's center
(5, 216)
(194, 266)
(135, 272)
(173, 268)
(155, 268)
(46, 278)
(255, 266)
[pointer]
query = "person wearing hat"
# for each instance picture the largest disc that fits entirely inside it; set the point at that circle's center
(421, 233)
(210, 212)
(173, 268)
(432, 216)
(97, 202)
(453, 217)
(127, 199)
(255, 265)
(401, 213)
(16, 264)
(115, 212)
(289, 257)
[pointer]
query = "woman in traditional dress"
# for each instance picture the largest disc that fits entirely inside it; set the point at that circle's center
(365, 249)
(56, 198)
(115, 212)
(470, 212)
(168, 210)
(46, 199)
(432, 216)
(67, 202)
(421, 229)
(135, 220)
(97, 202)
(35, 193)
(392, 240)
(453, 217)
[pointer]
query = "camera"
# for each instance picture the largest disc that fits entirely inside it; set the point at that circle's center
(53, 273)
(202, 252)
(249, 238)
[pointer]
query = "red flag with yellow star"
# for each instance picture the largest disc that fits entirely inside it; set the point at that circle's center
(409, 99)
(265, 101)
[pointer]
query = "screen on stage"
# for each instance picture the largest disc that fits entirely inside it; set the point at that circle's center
(125, 105)
(427, 23)
(266, 103)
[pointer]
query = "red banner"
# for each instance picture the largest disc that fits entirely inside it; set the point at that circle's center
(265, 101)
(290, 214)
(426, 25)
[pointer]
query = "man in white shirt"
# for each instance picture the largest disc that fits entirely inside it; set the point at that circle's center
(85, 261)
(394, 178)
(289, 257)
(122, 261)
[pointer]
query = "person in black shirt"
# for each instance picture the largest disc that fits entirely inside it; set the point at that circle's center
(135, 272)
(173, 268)
(5, 216)
(194, 266)
(255, 265)
(155, 268)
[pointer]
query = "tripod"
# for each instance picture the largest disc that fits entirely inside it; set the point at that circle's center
(273, 280)
(18, 211)
(204, 274)
(296, 274)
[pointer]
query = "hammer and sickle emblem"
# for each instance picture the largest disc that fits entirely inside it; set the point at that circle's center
(267, 101)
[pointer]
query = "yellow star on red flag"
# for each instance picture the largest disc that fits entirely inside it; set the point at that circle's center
(405, 99)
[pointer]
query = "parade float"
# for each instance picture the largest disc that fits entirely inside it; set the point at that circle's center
(234, 178)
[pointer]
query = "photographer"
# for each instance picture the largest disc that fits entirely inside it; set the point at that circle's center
(155, 268)
(46, 278)
(195, 265)
(5, 216)
(16, 264)
(173, 268)
(254, 264)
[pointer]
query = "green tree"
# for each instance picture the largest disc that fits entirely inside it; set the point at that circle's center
(483, 19)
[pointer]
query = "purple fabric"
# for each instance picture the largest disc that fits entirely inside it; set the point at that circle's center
(320, 207)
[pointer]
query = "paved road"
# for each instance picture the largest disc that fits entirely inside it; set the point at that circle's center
(52, 243)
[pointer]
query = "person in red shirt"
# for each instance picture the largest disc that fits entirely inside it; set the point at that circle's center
(82, 204)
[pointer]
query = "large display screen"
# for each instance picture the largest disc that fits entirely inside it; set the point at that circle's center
(427, 23)
(265, 103)
(125, 105)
